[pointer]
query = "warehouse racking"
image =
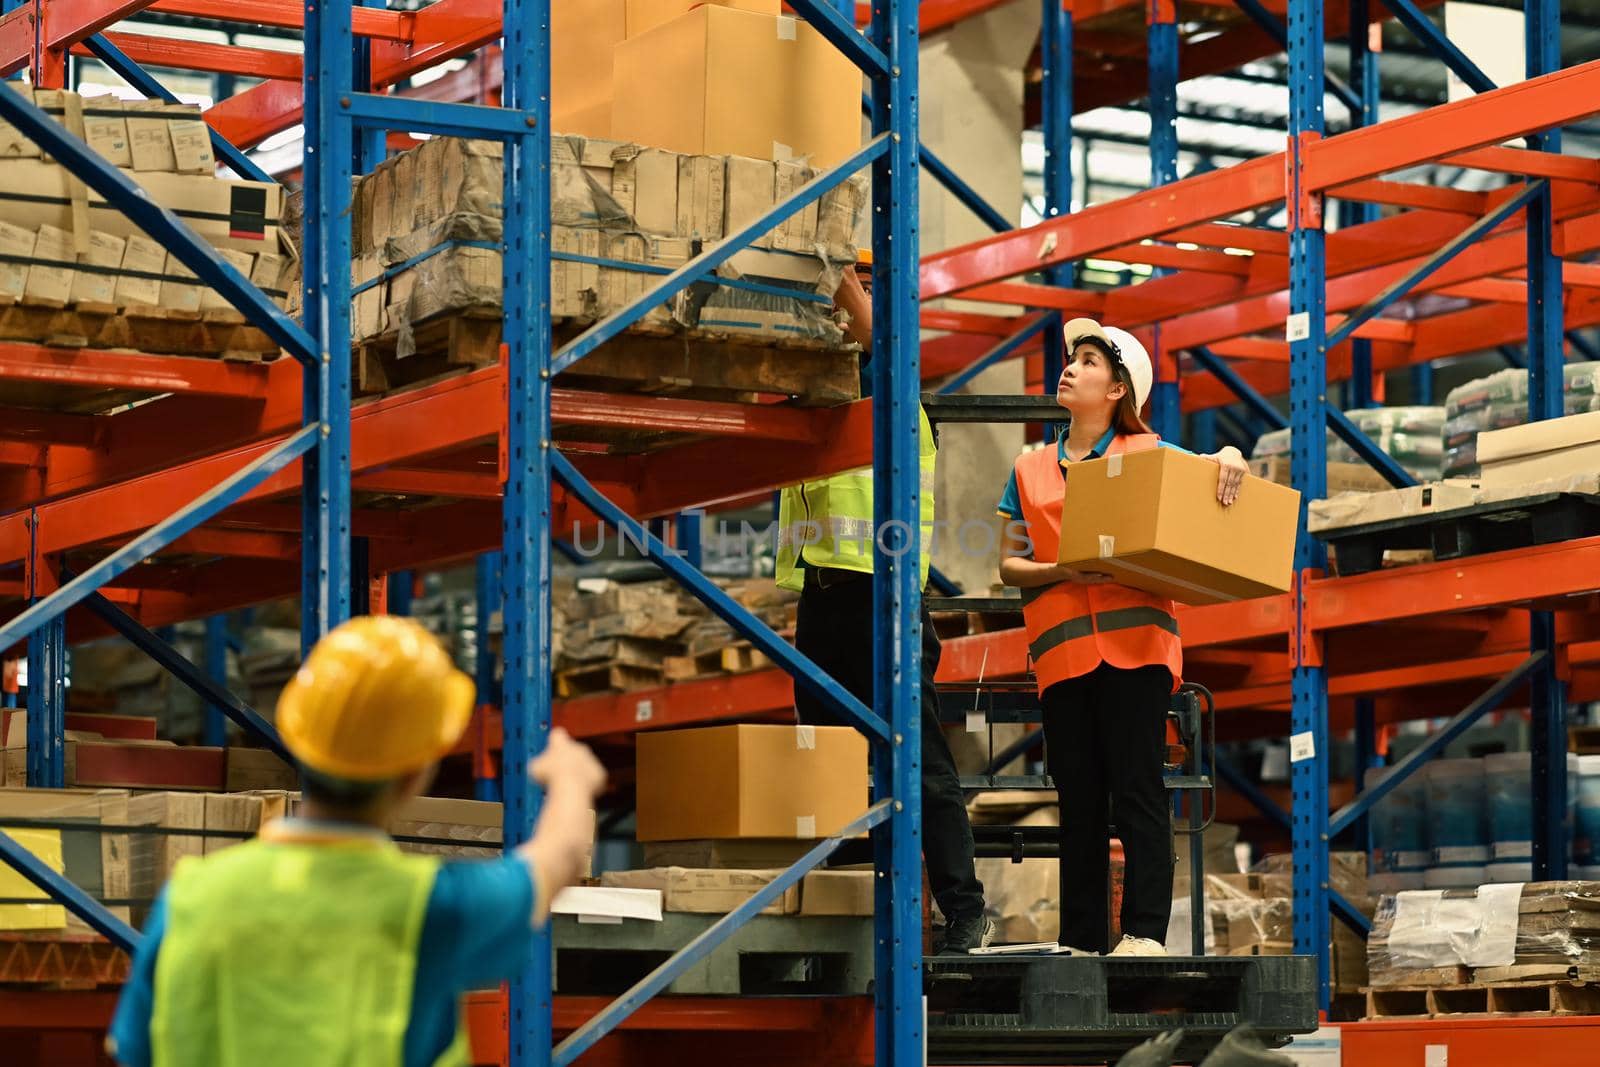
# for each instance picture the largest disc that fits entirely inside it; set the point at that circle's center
(1513, 620)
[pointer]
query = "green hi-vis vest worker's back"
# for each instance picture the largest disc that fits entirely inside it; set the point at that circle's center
(828, 522)
(292, 955)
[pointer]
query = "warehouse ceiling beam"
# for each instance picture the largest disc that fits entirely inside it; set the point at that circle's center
(152, 51)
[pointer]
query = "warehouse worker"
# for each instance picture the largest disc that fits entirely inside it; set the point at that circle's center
(825, 553)
(321, 943)
(1107, 658)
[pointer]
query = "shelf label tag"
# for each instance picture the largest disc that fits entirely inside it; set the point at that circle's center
(1297, 327)
(1302, 746)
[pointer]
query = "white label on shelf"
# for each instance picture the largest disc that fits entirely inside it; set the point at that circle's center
(644, 711)
(975, 721)
(1297, 327)
(1436, 1056)
(1302, 746)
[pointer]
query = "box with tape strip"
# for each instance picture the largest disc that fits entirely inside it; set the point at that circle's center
(1152, 521)
(750, 781)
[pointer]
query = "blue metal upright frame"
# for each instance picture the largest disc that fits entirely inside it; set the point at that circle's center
(1161, 34)
(1055, 103)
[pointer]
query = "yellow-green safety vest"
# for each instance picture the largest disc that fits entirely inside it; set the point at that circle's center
(828, 522)
(282, 954)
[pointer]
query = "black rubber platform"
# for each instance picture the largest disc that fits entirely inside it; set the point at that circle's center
(1084, 1010)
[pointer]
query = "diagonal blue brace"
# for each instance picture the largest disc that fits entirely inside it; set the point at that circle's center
(805, 672)
(1367, 448)
(1349, 913)
(611, 1016)
(1437, 742)
(1003, 350)
(375, 110)
(136, 76)
(1436, 42)
(59, 888)
(163, 533)
(122, 193)
(1240, 388)
(1457, 244)
(842, 34)
(208, 687)
(704, 264)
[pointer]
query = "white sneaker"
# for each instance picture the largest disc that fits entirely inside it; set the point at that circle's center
(1139, 946)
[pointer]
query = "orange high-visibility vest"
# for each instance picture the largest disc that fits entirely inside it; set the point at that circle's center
(1073, 628)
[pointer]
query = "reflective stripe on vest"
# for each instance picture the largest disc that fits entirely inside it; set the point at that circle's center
(1073, 628)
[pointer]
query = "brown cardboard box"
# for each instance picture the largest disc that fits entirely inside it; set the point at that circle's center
(15, 241)
(474, 823)
(153, 856)
(230, 811)
(644, 183)
(99, 285)
(574, 286)
(1151, 520)
(584, 35)
(49, 280)
(191, 141)
(276, 803)
(1541, 467)
(747, 854)
(705, 892)
(1342, 477)
(798, 233)
(180, 290)
(228, 214)
(645, 15)
(1534, 438)
(210, 299)
(12, 144)
(750, 190)
(139, 283)
(702, 193)
(837, 893)
(149, 136)
(250, 769)
(750, 781)
(1337, 513)
(105, 127)
(724, 82)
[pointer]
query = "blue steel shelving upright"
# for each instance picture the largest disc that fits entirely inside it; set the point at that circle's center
(344, 126)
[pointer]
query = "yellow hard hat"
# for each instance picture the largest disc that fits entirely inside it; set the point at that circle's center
(377, 698)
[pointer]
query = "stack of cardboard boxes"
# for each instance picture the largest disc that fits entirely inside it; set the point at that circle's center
(62, 245)
(723, 809)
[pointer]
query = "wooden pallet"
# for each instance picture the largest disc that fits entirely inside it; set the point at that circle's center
(1487, 1000)
(732, 659)
(605, 678)
(1492, 526)
(60, 960)
(645, 359)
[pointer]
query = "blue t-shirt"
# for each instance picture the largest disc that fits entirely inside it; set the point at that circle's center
(1011, 503)
(476, 934)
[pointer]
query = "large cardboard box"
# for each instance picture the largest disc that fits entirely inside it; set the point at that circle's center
(837, 893)
(750, 781)
(1539, 451)
(476, 824)
(1151, 520)
(705, 892)
(583, 36)
(645, 15)
(153, 856)
(250, 769)
(233, 812)
(228, 214)
(1540, 467)
(719, 81)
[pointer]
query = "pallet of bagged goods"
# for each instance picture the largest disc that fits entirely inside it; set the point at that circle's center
(77, 272)
(426, 274)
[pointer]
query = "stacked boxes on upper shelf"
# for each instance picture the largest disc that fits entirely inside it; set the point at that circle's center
(427, 226)
(62, 245)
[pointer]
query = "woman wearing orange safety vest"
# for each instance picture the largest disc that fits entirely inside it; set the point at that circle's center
(1107, 658)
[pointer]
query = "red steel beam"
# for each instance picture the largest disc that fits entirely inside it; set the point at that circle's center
(1410, 194)
(1058, 298)
(1503, 160)
(969, 322)
(1228, 235)
(67, 22)
(198, 55)
(17, 39)
(100, 368)
(289, 14)
(49, 427)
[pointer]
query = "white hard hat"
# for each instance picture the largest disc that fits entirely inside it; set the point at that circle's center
(1122, 346)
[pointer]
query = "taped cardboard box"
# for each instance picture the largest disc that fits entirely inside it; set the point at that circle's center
(475, 824)
(1342, 477)
(51, 273)
(1158, 527)
(717, 81)
(150, 137)
(838, 893)
(105, 128)
(748, 780)
(227, 214)
(95, 281)
(705, 891)
(644, 183)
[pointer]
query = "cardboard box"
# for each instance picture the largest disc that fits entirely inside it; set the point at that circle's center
(243, 262)
(94, 860)
(98, 283)
(705, 892)
(276, 804)
(1151, 519)
(1541, 466)
(717, 81)
(750, 781)
(180, 290)
(230, 811)
(105, 127)
(837, 893)
(15, 243)
(1342, 477)
(139, 284)
(702, 194)
(191, 141)
(475, 823)
(228, 214)
(253, 769)
(1338, 513)
(644, 183)
(645, 15)
(748, 854)
(574, 285)
(1547, 435)
(153, 856)
(12, 144)
(750, 188)
(149, 136)
(50, 275)
(583, 37)
(798, 233)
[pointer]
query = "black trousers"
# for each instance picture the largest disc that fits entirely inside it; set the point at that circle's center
(1105, 742)
(834, 629)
